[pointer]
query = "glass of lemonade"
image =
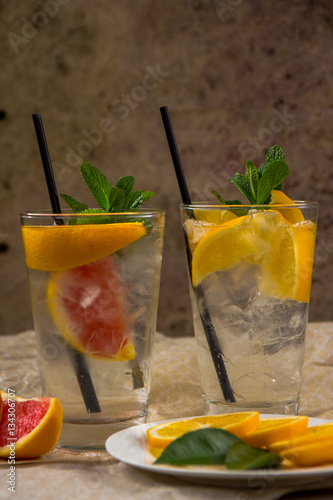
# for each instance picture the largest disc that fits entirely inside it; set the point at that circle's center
(250, 270)
(94, 285)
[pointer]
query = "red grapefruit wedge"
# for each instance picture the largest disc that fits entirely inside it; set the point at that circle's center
(88, 305)
(29, 428)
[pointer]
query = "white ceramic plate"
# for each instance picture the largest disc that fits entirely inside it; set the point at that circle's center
(130, 446)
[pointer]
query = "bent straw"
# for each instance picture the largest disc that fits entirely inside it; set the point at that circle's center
(212, 340)
(79, 363)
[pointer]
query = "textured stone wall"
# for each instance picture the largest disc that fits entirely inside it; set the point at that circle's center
(237, 75)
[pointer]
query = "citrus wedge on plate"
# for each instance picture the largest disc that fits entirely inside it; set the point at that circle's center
(240, 424)
(88, 306)
(57, 248)
(272, 430)
(36, 426)
(311, 435)
(312, 447)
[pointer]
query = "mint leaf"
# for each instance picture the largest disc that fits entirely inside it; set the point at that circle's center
(273, 176)
(218, 196)
(75, 205)
(252, 177)
(126, 183)
(203, 447)
(116, 198)
(242, 184)
(243, 456)
(233, 202)
(274, 153)
(97, 184)
(135, 199)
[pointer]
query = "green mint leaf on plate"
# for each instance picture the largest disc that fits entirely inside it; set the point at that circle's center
(202, 447)
(244, 187)
(273, 176)
(243, 456)
(126, 183)
(75, 205)
(97, 184)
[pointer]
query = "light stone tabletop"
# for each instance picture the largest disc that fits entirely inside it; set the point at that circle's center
(175, 393)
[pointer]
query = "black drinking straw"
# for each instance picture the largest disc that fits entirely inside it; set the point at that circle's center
(79, 363)
(212, 340)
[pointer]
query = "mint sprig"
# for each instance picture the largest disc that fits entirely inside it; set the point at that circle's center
(116, 198)
(257, 183)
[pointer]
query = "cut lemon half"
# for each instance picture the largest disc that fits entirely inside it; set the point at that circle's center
(57, 248)
(293, 215)
(272, 430)
(223, 247)
(239, 424)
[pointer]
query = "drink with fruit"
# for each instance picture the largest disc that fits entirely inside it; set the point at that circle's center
(94, 282)
(250, 269)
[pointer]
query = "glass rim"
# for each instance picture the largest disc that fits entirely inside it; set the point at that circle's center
(48, 212)
(216, 206)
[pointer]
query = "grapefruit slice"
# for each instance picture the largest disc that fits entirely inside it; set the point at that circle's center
(88, 305)
(57, 248)
(29, 428)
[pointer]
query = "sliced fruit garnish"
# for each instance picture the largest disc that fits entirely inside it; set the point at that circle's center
(284, 251)
(222, 248)
(311, 435)
(272, 430)
(88, 306)
(57, 248)
(291, 215)
(287, 269)
(311, 454)
(238, 424)
(37, 426)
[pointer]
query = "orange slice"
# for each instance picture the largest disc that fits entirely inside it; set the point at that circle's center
(222, 248)
(56, 248)
(312, 435)
(36, 426)
(272, 430)
(293, 215)
(310, 455)
(239, 424)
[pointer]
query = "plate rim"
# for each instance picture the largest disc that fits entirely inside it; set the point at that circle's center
(138, 432)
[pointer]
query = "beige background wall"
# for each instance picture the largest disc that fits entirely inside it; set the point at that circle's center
(237, 75)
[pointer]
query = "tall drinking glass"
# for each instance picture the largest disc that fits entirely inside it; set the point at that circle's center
(250, 271)
(94, 284)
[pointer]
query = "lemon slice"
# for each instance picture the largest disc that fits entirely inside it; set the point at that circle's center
(57, 248)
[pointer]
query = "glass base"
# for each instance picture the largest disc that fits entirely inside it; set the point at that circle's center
(279, 408)
(92, 436)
